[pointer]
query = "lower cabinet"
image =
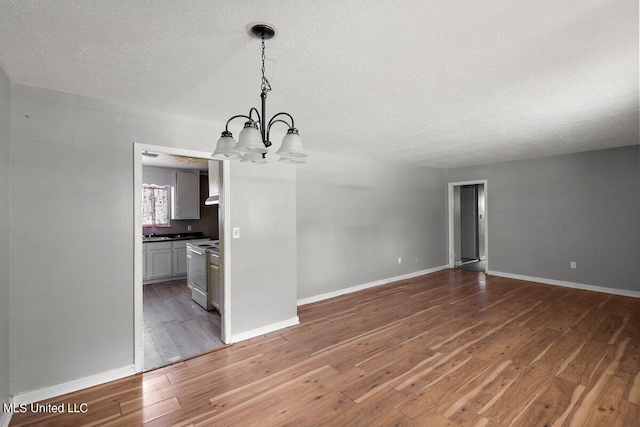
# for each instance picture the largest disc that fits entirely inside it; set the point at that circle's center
(164, 260)
(214, 285)
(179, 249)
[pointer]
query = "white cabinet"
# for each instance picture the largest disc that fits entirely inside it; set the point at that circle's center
(158, 260)
(213, 278)
(186, 195)
(164, 260)
(179, 249)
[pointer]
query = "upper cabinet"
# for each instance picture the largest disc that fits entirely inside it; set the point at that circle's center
(186, 195)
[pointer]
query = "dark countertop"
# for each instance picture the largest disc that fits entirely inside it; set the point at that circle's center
(172, 237)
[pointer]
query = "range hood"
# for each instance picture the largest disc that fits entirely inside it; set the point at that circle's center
(212, 200)
(214, 184)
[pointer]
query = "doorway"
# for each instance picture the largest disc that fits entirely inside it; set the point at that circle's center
(468, 234)
(139, 262)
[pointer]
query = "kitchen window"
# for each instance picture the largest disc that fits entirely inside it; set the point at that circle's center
(156, 207)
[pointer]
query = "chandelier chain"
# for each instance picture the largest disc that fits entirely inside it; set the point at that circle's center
(266, 87)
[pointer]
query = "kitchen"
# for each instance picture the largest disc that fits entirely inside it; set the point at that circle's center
(181, 292)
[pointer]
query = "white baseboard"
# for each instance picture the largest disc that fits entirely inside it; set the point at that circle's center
(5, 417)
(565, 284)
(356, 288)
(265, 329)
(75, 385)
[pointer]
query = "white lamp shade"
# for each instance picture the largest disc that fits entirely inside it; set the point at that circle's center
(250, 141)
(225, 149)
(291, 146)
(253, 158)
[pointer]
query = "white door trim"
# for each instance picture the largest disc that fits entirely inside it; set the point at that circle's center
(138, 264)
(450, 222)
(225, 237)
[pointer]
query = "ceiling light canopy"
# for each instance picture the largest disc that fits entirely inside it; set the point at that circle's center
(253, 141)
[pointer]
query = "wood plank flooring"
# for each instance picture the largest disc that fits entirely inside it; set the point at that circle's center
(175, 327)
(453, 348)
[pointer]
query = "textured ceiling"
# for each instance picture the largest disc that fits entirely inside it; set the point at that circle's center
(438, 83)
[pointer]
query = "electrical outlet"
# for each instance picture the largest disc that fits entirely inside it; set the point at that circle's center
(236, 232)
(573, 264)
(188, 228)
(399, 260)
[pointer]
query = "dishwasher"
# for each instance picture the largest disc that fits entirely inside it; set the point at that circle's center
(197, 274)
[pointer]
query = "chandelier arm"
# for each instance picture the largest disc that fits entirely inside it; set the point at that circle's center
(281, 121)
(273, 122)
(276, 121)
(257, 114)
(280, 114)
(226, 128)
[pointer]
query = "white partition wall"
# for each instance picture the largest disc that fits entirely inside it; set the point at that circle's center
(263, 258)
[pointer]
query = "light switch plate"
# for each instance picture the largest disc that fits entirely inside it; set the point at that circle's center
(236, 232)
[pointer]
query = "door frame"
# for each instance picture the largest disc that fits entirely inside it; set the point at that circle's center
(138, 264)
(476, 220)
(485, 221)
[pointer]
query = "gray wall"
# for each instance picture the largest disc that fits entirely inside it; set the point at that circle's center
(544, 213)
(356, 217)
(263, 259)
(72, 283)
(5, 189)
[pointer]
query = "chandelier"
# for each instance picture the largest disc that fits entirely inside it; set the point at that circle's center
(253, 141)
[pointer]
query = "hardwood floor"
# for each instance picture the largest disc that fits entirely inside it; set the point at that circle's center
(175, 327)
(446, 349)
